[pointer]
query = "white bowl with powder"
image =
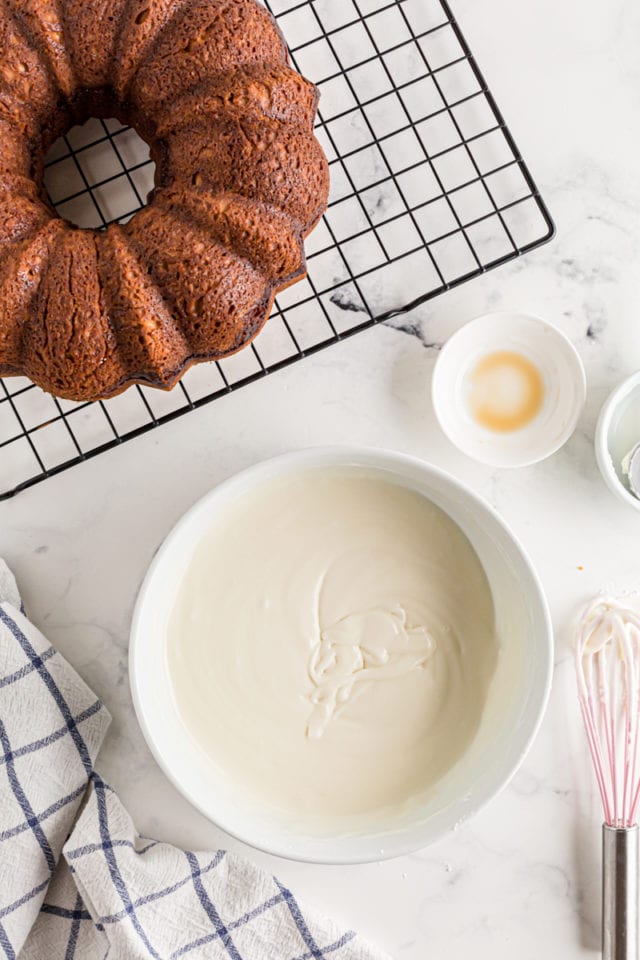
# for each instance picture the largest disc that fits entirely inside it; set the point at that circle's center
(340, 654)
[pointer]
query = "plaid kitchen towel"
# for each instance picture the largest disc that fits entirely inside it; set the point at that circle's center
(77, 880)
(51, 728)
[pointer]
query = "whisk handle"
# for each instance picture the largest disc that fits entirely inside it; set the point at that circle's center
(620, 907)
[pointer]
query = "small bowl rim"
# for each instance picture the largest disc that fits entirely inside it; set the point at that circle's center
(437, 393)
(601, 440)
(358, 455)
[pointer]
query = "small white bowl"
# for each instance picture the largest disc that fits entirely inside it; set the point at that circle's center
(617, 432)
(550, 352)
(512, 715)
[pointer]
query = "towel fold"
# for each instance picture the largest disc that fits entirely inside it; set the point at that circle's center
(77, 880)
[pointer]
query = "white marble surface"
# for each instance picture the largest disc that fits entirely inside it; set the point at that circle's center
(523, 878)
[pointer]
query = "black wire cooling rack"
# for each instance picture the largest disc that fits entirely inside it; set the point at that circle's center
(428, 191)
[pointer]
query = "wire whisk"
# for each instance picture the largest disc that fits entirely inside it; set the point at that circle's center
(608, 669)
(608, 672)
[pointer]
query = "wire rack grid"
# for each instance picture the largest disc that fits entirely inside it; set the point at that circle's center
(428, 191)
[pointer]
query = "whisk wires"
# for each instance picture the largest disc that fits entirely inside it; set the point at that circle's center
(608, 672)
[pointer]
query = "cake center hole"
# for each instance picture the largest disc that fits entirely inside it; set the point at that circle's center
(98, 173)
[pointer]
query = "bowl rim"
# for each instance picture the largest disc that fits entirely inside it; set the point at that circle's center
(337, 455)
(437, 392)
(601, 440)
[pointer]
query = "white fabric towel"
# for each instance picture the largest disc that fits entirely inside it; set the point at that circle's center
(77, 880)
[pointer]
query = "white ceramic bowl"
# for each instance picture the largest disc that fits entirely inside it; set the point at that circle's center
(617, 432)
(516, 701)
(564, 381)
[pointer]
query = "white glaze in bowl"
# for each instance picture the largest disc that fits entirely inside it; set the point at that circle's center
(513, 713)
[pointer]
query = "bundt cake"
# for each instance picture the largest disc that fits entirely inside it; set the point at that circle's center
(240, 181)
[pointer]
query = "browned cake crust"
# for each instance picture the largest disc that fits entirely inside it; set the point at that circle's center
(70, 345)
(207, 38)
(21, 270)
(259, 90)
(209, 286)
(142, 25)
(260, 234)
(29, 94)
(42, 23)
(92, 61)
(151, 344)
(240, 178)
(15, 152)
(266, 160)
(21, 211)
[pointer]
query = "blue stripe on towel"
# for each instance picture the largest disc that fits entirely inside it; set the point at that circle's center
(53, 737)
(338, 945)
(27, 668)
(65, 913)
(49, 812)
(5, 911)
(305, 933)
(51, 686)
(9, 952)
(29, 814)
(252, 915)
(73, 933)
(210, 909)
(112, 863)
(95, 847)
(161, 894)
